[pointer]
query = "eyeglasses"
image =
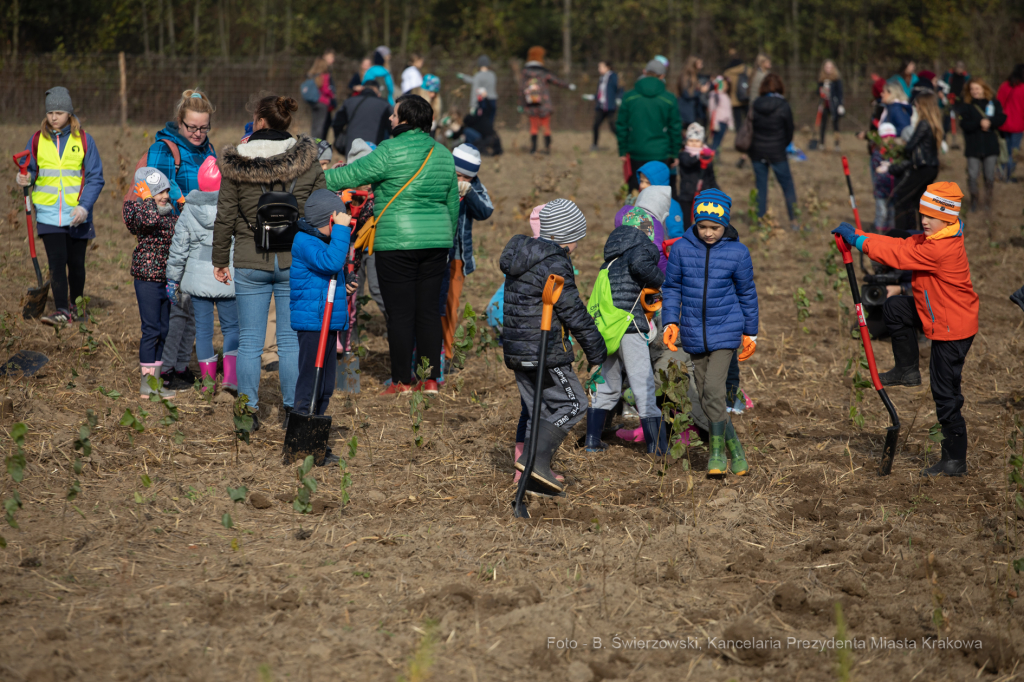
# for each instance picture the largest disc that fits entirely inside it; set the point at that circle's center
(192, 130)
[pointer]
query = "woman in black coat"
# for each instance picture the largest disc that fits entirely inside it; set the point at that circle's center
(920, 164)
(980, 115)
(772, 121)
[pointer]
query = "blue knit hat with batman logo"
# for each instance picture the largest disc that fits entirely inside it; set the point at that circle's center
(713, 205)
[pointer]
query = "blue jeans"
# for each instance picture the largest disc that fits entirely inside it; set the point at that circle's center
(155, 313)
(785, 178)
(227, 311)
(716, 141)
(309, 342)
(1012, 143)
(252, 297)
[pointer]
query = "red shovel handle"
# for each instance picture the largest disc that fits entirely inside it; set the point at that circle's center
(21, 160)
(325, 328)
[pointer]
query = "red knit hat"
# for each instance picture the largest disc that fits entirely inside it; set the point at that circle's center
(942, 200)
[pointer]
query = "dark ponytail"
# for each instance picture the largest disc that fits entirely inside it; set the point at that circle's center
(276, 111)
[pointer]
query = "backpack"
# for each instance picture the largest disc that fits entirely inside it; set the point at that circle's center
(277, 217)
(144, 161)
(743, 88)
(611, 322)
(533, 93)
(310, 92)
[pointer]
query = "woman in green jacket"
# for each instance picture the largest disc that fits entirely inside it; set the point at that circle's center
(413, 236)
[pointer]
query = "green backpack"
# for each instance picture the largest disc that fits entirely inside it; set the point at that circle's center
(612, 322)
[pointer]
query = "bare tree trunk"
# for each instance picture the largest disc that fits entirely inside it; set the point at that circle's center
(15, 20)
(124, 90)
(694, 33)
(222, 27)
(567, 38)
(171, 44)
(387, 23)
(288, 26)
(195, 39)
(266, 29)
(145, 29)
(160, 26)
(366, 31)
(794, 31)
(406, 19)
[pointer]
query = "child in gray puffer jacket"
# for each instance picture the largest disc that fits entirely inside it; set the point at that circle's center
(190, 267)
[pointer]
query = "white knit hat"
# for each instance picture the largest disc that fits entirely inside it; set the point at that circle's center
(695, 131)
(562, 222)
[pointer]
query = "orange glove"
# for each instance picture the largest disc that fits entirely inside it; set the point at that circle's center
(670, 336)
(749, 346)
(142, 190)
(181, 202)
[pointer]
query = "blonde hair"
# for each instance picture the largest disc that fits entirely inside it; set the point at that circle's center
(319, 68)
(46, 129)
(896, 92)
(989, 94)
(824, 75)
(434, 99)
(689, 78)
(927, 107)
(193, 100)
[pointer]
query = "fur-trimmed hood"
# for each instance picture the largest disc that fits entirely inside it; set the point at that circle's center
(266, 161)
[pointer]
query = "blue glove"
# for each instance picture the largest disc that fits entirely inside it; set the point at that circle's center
(847, 232)
(172, 292)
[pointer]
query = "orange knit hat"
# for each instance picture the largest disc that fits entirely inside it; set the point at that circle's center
(535, 54)
(942, 200)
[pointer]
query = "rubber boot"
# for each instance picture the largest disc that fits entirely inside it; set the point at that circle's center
(547, 144)
(1018, 297)
(208, 368)
(975, 202)
(656, 435)
(954, 456)
(595, 425)
(904, 350)
(152, 369)
(716, 461)
(520, 447)
(230, 373)
(533, 144)
(737, 458)
(549, 437)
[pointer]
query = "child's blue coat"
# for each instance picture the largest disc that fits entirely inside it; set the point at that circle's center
(314, 262)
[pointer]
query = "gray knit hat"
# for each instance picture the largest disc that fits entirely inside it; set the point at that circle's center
(320, 206)
(562, 222)
(359, 149)
(154, 179)
(323, 148)
(483, 60)
(654, 68)
(59, 99)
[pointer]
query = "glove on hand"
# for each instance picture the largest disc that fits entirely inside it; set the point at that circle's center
(79, 215)
(847, 232)
(464, 188)
(142, 190)
(172, 292)
(670, 336)
(749, 346)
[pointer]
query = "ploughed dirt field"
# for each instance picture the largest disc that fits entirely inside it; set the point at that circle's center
(641, 573)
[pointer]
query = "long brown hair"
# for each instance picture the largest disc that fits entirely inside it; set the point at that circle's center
(319, 67)
(689, 78)
(772, 83)
(824, 75)
(966, 95)
(927, 107)
(47, 130)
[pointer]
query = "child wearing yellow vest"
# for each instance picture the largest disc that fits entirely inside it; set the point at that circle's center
(66, 176)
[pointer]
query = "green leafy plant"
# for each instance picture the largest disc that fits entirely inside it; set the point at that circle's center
(803, 307)
(89, 344)
(423, 655)
(155, 397)
(112, 394)
(237, 495)
(346, 477)
(1017, 466)
(242, 418)
(128, 419)
(844, 657)
(307, 486)
(672, 384)
(84, 444)
(8, 324)
(418, 402)
(206, 387)
(16, 469)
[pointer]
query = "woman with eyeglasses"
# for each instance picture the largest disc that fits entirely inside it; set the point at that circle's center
(179, 151)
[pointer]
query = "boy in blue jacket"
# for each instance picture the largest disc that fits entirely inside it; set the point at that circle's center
(318, 254)
(709, 294)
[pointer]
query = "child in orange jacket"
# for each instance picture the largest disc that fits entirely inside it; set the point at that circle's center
(944, 306)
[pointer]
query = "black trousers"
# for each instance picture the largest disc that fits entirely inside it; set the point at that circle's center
(66, 258)
(825, 114)
(410, 284)
(909, 190)
(308, 344)
(599, 118)
(945, 367)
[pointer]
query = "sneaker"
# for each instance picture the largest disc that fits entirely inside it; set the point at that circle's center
(255, 422)
(394, 388)
(330, 458)
(429, 387)
(173, 381)
(58, 319)
(187, 376)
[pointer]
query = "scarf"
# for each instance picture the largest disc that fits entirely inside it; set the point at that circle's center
(270, 134)
(953, 230)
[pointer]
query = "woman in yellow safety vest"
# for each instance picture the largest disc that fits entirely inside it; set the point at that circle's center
(67, 175)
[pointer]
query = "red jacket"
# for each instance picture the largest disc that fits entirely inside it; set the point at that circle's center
(943, 292)
(1012, 100)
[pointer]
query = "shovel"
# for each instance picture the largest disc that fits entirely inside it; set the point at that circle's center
(308, 434)
(552, 291)
(27, 362)
(892, 434)
(34, 303)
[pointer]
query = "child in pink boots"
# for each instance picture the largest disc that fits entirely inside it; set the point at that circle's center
(190, 268)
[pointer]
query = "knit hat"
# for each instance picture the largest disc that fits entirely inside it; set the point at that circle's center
(536, 54)
(654, 68)
(535, 220)
(887, 130)
(359, 149)
(641, 220)
(431, 83)
(942, 200)
(663, 59)
(59, 99)
(562, 222)
(323, 148)
(695, 131)
(209, 175)
(154, 179)
(467, 160)
(321, 205)
(713, 205)
(483, 60)
(926, 76)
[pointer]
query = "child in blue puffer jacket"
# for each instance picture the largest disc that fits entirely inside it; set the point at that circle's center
(710, 298)
(318, 254)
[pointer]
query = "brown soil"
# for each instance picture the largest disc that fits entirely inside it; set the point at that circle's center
(425, 573)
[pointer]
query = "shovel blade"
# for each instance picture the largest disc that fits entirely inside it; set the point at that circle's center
(27, 362)
(34, 304)
(892, 437)
(306, 435)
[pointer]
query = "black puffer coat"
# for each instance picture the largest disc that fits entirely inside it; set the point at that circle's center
(980, 143)
(527, 263)
(634, 266)
(921, 150)
(773, 129)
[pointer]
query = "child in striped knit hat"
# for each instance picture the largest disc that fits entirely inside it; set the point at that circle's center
(944, 306)
(527, 263)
